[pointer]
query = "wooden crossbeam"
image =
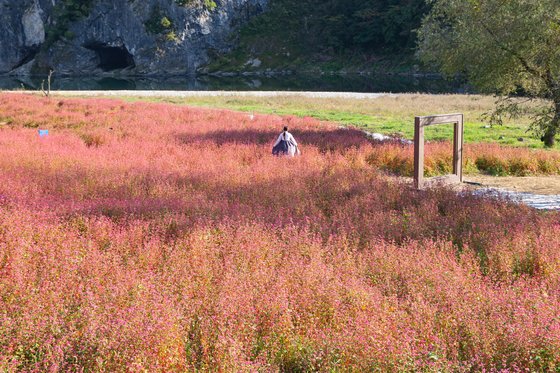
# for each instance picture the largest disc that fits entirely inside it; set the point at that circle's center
(458, 130)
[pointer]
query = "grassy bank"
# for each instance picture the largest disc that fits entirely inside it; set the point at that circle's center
(388, 114)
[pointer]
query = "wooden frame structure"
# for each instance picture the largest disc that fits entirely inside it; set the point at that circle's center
(419, 124)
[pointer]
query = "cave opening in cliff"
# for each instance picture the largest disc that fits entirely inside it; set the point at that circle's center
(112, 58)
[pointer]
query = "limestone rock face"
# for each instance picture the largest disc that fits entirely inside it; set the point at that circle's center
(119, 37)
(33, 26)
(21, 32)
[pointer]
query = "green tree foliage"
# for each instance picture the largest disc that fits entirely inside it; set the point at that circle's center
(160, 24)
(362, 25)
(208, 4)
(506, 47)
(371, 25)
(65, 13)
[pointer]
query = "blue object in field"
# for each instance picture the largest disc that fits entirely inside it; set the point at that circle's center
(43, 133)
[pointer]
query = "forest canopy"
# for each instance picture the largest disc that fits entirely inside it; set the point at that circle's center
(345, 25)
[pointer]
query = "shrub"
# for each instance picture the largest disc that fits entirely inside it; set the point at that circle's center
(208, 4)
(92, 139)
(65, 13)
(490, 159)
(158, 23)
(492, 165)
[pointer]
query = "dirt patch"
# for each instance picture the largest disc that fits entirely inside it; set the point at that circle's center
(546, 185)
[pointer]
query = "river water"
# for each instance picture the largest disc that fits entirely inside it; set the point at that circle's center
(331, 83)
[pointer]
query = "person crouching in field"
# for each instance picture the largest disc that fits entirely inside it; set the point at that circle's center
(286, 144)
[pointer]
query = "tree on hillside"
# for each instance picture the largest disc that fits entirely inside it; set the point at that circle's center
(370, 24)
(506, 47)
(362, 26)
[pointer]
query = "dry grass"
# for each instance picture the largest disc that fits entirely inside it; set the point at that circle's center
(386, 114)
(407, 105)
(530, 184)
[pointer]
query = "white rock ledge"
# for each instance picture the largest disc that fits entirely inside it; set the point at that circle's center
(538, 201)
(350, 95)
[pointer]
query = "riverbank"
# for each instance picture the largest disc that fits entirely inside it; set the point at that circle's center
(389, 114)
(246, 81)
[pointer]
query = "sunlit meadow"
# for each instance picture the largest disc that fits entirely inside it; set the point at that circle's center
(155, 237)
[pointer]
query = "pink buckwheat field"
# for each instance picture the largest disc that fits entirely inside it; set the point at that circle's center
(164, 238)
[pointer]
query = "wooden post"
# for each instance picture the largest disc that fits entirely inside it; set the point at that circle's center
(418, 153)
(419, 124)
(458, 149)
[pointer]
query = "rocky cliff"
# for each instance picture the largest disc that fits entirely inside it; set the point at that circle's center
(117, 37)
